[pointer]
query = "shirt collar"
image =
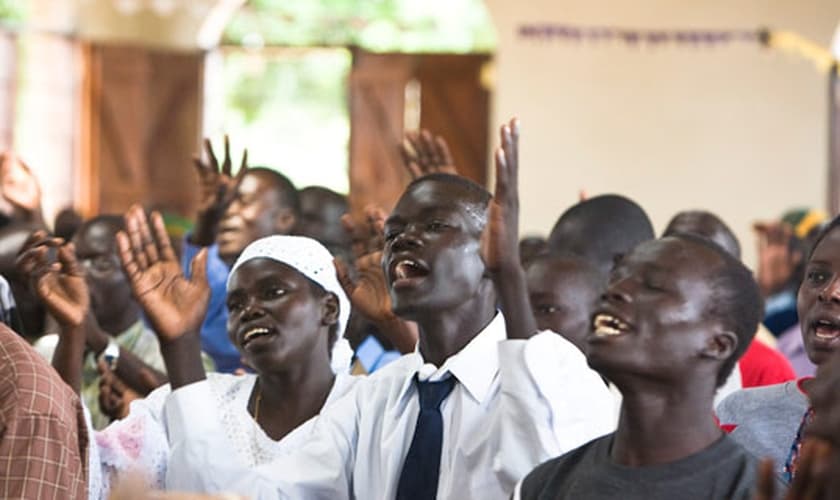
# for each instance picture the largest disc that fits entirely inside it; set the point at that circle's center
(475, 366)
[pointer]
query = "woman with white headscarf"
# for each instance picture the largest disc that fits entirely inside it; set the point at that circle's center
(287, 317)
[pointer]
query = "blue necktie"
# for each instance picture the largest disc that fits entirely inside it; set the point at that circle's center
(419, 478)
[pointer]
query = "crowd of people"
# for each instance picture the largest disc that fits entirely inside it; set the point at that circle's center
(284, 348)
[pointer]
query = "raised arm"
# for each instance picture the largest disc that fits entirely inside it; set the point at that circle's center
(20, 193)
(217, 184)
(500, 242)
(173, 304)
(60, 285)
(423, 153)
(368, 293)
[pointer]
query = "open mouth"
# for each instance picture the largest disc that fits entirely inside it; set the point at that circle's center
(607, 325)
(254, 334)
(407, 272)
(825, 329)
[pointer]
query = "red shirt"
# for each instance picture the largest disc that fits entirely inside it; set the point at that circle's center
(762, 365)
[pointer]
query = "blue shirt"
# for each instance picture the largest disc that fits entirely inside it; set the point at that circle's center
(373, 356)
(214, 337)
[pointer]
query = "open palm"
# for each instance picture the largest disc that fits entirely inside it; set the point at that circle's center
(174, 304)
(61, 284)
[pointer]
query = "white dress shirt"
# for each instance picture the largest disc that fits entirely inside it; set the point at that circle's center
(516, 403)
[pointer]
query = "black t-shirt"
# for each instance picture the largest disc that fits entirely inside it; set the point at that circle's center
(722, 471)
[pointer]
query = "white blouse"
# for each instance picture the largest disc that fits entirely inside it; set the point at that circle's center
(140, 443)
(516, 403)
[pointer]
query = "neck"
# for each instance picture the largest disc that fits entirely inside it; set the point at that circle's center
(660, 425)
(444, 333)
(291, 397)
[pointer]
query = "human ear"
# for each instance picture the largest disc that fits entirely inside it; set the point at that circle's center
(720, 346)
(330, 309)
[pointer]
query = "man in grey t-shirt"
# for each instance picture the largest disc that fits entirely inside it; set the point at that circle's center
(676, 316)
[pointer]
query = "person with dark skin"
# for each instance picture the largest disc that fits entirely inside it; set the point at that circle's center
(321, 210)
(470, 441)
(676, 315)
(530, 248)
(818, 472)
(761, 364)
(706, 225)
(115, 315)
(233, 211)
(818, 307)
(31, 313)
(287, 317)
(601, 229)
(563, 290)
(377, 335)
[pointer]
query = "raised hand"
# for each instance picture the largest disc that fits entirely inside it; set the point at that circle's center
(424, 154)
(500, 241)
(776, 262)
(369, 292)
(60, 284)
(174, 304)
(20, 190)
(217, 187)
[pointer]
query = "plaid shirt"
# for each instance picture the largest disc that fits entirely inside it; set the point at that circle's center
(43, 438)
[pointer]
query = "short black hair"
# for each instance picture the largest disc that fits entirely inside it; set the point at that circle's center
(706, 225)
(114, 222)
(66, 223)
(736, 301)
(831, 226)
(601, 229)
(287, 193)
(474, 194)
(328, 195)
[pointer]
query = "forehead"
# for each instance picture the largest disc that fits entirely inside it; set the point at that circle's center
(677, 257)
(561, 272)
(96, 237)
(255, 181)
(260, 269)
(439, 197)
(321, 206)
(828, 250)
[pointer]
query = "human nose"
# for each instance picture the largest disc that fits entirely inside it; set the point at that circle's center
(831, 291)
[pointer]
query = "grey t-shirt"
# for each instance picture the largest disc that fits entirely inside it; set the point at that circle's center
(765, 419)
(724, 470)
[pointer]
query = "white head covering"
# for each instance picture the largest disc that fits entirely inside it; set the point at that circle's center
(311, 259)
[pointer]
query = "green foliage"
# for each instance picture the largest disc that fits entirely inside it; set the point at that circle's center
(291, 108)
(12, 12)
(377, 25)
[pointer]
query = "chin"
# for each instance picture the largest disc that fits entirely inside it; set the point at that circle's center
(228, 252)
(407, 309)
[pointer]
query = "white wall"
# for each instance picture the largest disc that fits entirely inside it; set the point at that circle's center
(737, 130)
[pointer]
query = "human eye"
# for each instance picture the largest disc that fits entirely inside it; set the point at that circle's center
(545, 309)
(274, 291)
(438, 225)
(817, 276)
(234, 304)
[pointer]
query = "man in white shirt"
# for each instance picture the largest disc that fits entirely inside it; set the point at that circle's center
(510, 399)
